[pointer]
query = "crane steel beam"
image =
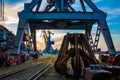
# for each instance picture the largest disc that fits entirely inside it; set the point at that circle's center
(106, 34)
(48, 26)
(19, 36)
(92, 6)
(61, 16)
(34, 40)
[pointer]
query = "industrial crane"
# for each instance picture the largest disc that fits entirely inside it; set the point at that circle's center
(54, 17)
(47, 39)
(60, 14)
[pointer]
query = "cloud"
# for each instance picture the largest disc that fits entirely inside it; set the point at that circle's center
(58, 38)
(15, 1)
(95, 1)
(40, 45)
(11, 10)
(10, 16)
(112, 12)
(77, 5)
(12, 27)
(116, 35)
(113, 23)
(10, 13)
(115, 11)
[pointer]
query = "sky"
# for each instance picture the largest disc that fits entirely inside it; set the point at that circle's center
(111, 7)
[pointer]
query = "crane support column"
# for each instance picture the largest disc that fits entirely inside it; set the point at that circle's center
(22, 26)
(107, 36)
(34, 40)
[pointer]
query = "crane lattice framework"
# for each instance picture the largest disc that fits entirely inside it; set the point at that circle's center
(59, 14)
(48, 42)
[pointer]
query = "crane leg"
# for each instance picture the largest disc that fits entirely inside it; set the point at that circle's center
(18, 39)
(107, 36)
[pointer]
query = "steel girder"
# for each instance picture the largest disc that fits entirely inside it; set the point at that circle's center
(61, 12)
(22, 26)
(62, 16)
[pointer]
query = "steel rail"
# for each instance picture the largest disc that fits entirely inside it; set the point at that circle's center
(17, 71)
(39, 73)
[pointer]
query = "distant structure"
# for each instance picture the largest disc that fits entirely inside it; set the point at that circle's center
(1, 10)
(48, 42)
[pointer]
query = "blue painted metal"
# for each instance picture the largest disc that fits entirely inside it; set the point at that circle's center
(49, 49)
(61, 16)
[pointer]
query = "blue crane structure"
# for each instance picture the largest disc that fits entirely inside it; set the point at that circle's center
(48, 42)
(59, 14)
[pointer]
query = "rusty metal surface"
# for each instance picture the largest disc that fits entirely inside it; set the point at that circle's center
(97, 74)
(75, 48)
(115, 70)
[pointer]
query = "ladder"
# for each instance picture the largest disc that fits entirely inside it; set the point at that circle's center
(97, 37)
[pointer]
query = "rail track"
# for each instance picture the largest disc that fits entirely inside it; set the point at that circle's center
(3, 76)
(39, 73)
